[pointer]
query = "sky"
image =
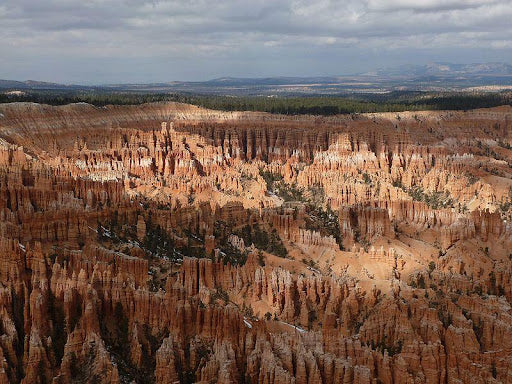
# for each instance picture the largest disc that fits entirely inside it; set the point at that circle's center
(136, 41)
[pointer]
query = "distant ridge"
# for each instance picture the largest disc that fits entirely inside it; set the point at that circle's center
(445, 69)
(438, 76)
(34, 84)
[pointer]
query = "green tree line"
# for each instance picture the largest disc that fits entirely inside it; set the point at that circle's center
(311, 105)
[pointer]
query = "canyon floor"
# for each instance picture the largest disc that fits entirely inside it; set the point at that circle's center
(166, 243)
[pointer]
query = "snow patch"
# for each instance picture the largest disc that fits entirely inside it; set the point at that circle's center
(299, 329)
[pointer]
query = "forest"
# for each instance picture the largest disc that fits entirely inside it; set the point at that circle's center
(311, 105)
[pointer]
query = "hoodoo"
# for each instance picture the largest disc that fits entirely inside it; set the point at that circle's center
(166, 243)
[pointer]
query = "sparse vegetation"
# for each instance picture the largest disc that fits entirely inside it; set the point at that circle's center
(435, 200)
(277, 186)
(267, 241)
(324, 221)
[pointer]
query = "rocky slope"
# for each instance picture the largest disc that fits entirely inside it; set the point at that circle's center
(166, 243)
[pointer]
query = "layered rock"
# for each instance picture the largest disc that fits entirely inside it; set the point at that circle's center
(167, 243)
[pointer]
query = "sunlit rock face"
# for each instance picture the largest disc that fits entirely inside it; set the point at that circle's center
(167, 243)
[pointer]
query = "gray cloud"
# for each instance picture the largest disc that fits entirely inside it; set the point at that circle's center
(132, 40)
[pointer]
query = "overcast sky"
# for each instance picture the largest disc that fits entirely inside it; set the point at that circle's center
(110, 41)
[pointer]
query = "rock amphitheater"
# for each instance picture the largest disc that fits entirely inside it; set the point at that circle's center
(164, 243)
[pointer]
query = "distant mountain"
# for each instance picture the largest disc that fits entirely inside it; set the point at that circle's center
(429, 77)
(444, 69)
(12, 84)
(33, 84)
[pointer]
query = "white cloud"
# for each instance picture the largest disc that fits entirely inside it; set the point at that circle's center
(234, 29)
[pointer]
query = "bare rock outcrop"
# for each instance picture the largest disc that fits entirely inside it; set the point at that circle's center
(167, 243)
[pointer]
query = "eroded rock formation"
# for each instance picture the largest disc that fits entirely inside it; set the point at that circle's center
(166, 243)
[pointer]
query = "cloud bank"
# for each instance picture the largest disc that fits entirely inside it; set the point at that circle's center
(136, 40)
